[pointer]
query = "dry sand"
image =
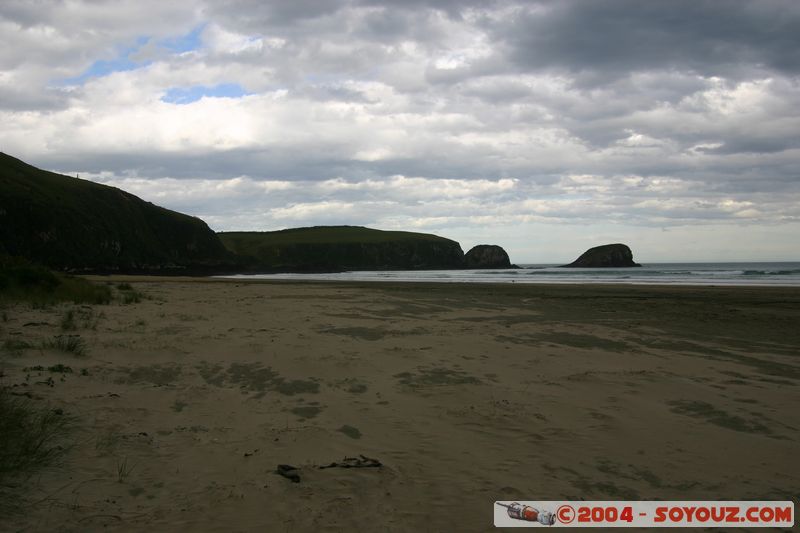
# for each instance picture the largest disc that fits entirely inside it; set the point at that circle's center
(467, 394)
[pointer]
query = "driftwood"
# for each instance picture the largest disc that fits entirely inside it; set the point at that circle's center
(355, 462)
(289, 472)
(362, 461)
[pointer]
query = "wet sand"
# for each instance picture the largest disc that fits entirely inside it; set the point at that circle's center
(186, 401)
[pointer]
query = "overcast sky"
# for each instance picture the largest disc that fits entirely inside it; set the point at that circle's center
(545, 127)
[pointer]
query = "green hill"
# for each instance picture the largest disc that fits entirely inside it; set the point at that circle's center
(332, 248)
(71, 224)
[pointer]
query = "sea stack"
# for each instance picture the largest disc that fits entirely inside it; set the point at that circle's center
(606, 256)
(487, 256)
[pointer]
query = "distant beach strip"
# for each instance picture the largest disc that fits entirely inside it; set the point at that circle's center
(703, 274)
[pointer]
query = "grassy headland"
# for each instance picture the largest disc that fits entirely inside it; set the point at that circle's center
(343, 248)
(74, 225)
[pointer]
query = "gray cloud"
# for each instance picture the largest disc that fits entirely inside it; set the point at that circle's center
(20, 99)
(479, 118)
(602, 40)
(257, 16)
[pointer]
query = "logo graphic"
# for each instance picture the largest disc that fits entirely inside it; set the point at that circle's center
(644, 513)
(527, 513)
(565, 514)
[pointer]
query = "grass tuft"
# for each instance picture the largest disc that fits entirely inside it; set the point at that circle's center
(31, 438)
(73, 344)
(106, 443)
(15, 346)
(80, 317)
(129, 295)
(68, 321)
(60, 368)
(124, 469)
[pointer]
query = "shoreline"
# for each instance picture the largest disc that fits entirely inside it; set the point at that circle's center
(782, 274)
(115, 278)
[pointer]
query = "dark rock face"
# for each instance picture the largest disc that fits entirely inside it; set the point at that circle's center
(606, 256)
(487, 256)
(71, 224)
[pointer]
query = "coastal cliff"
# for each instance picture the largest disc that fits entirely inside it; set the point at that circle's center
(71, 224)
(336, 248)
(606, 256)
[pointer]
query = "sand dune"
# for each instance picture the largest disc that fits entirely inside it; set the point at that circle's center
(189, 399)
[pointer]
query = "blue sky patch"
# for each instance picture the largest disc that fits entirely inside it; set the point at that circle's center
(123, 62)
(102, 67)
(184, 43)
(187, 95)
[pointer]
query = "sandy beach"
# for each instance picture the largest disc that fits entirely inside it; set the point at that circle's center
(186, 401)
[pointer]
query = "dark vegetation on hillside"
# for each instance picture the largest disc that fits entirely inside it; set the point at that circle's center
(333, 248)
(71, 224)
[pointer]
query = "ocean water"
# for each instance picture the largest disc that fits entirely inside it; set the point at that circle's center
(752, 274)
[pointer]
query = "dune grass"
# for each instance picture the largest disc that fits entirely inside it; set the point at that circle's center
(32, 437)
(126, 294)
(15, 346)
(130, 297)
(22, 280)
(83, 317)
(73, 344)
